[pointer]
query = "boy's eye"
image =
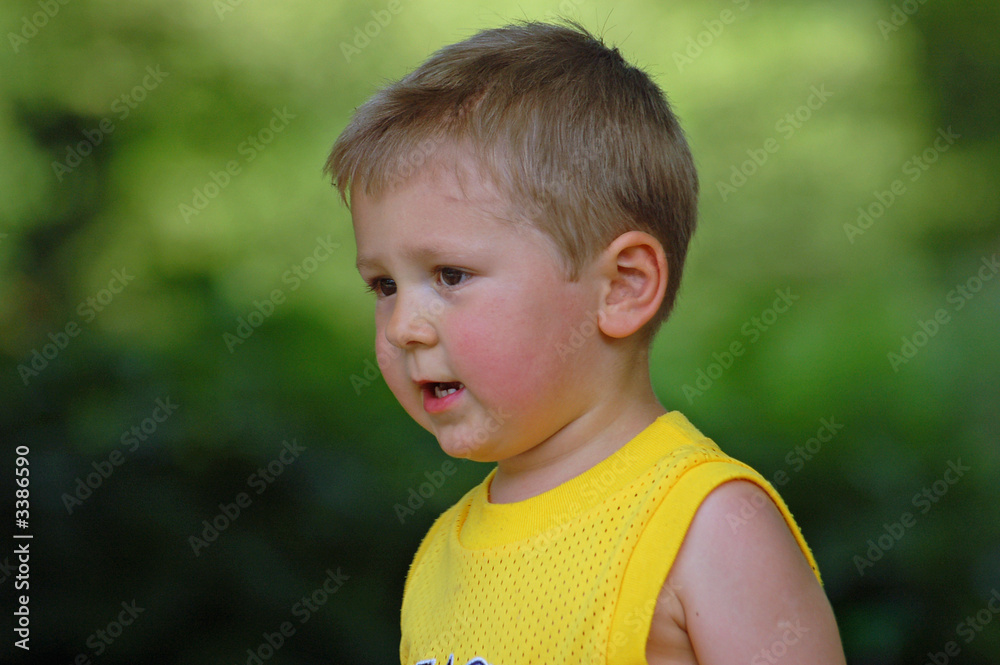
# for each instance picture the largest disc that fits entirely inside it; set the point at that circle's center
(452, 276)
(382, 286)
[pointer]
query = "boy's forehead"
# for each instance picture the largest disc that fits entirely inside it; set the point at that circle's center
(455, 182)
(449, 212)
(451, 173)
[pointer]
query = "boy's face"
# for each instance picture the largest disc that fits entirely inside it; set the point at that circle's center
(479, 306)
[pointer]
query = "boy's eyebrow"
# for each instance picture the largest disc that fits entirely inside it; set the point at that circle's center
(420, 253)
(363, 263)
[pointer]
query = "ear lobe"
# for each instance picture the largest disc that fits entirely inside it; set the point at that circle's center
(635, 267)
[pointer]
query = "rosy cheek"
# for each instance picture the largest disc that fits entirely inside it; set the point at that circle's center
(499, 359)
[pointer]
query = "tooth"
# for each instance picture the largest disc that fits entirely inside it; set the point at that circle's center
(443, 392)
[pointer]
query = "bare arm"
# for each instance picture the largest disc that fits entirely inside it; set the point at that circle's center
(746, 591)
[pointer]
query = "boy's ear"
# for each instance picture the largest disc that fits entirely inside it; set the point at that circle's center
(633, 269)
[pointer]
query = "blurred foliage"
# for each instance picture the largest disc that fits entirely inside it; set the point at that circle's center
(230, 107)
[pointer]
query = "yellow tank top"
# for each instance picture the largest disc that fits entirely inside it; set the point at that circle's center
(571, 575)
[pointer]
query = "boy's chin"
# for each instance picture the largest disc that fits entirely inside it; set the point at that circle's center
(468, 438)
(460, 448)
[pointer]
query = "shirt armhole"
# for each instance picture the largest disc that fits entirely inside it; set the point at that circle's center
(650, 563)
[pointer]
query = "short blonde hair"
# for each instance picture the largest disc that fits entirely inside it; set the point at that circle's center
(582, 144)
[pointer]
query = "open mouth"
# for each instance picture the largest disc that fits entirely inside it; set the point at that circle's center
(440, 396)
(440, 390)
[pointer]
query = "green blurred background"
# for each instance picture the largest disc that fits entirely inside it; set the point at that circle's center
(161, 179)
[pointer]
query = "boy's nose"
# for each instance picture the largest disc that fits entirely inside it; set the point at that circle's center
(410, 323)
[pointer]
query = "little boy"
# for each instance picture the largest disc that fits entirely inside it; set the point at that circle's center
(522, 204)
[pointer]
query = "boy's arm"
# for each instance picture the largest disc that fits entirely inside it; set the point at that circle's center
(747, 593)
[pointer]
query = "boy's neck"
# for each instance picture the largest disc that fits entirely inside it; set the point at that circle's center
(577, 447)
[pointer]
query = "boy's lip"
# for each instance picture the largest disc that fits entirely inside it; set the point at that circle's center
(435, 404)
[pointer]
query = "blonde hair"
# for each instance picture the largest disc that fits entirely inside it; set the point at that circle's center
(581, 143)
